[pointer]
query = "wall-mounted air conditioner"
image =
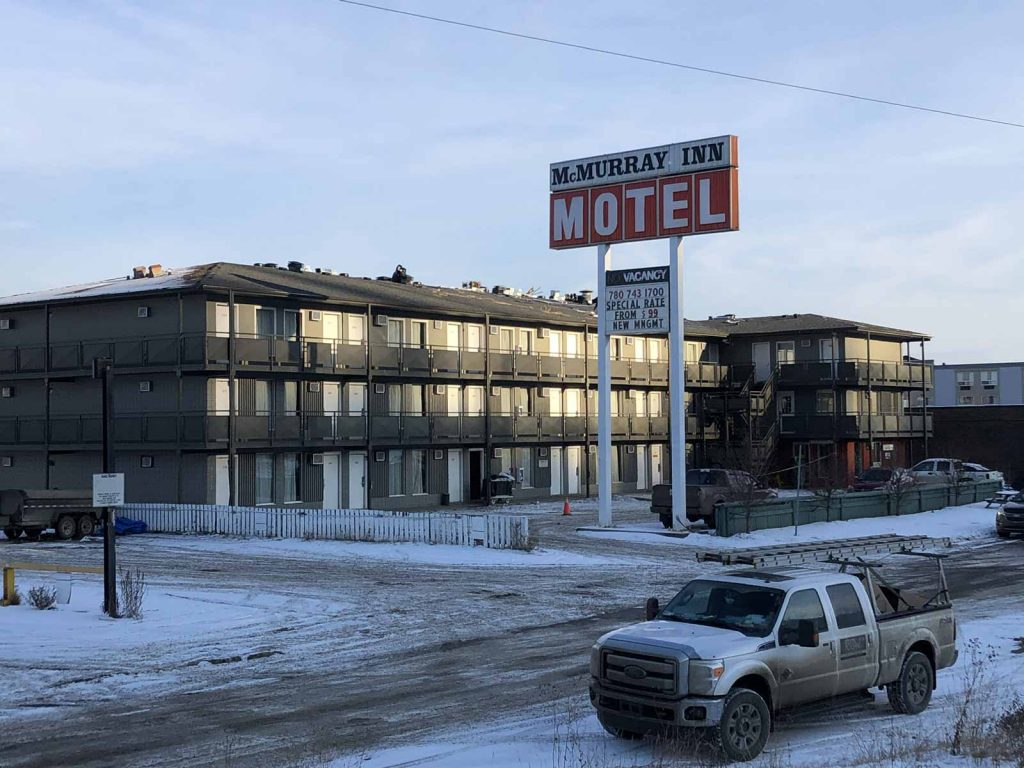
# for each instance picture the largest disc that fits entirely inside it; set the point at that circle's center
(143, 311)
(316, 315)
(317, 459)
(380, 320)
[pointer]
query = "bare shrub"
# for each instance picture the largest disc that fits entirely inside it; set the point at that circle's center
(15, 598)
(131, 592)
(973, 710)
(43, 598)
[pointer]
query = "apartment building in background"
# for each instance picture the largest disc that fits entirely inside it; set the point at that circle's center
(979, 384)
(256, 385)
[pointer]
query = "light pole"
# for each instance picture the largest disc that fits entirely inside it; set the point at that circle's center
(103, 369)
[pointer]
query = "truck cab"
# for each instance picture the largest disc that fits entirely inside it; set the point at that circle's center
(728, 652)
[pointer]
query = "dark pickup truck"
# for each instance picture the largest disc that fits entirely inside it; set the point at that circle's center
(706, 489)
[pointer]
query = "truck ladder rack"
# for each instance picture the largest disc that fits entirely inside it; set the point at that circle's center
(794, 554)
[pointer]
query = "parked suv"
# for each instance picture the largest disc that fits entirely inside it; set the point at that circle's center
(937, 471)
(1010, 517)
(881, 479)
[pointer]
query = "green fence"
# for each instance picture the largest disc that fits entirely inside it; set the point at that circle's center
(738, 518)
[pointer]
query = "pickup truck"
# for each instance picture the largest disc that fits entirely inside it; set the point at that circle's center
(706, 489)
(729, 652)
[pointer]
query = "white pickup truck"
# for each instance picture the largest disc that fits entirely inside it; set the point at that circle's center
(730, 651)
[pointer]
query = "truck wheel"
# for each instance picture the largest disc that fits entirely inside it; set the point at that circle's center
(12, 533)
(911, 692)
(745, 725)
(1003, 534)
(66, 527)
(619, 733)
(666, 520)
(86, 526)
(711, 521)
(33, 534)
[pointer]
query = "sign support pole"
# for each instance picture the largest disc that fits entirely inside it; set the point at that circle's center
(104, 370)
(604, 394)
(677, 382)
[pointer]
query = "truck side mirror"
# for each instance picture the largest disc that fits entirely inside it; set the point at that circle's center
(652, 608)
(806, 634)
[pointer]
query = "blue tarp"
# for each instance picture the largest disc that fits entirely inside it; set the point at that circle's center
(123, 525)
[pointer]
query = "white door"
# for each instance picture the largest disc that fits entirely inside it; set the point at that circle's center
(571, 345)
(332, 484)
(555, 343)
(222, 396)
(573, 455)
(641, 467)
(556, 470)
(356, 480)
(222, 485)
(356, 399)
(473, 336)
(332, 397)
(762, 354)
(332, 327)
(656, 465)
(572, 402)
(453, 393)
(454, 476)
(355, 326)
(454, 338)
(222, 320)
(474, 401)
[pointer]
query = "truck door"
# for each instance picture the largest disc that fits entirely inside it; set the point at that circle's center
(857, 651)
(804, 674)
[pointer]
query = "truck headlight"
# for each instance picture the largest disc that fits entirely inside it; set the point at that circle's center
(1000, 515)
(704, 676)
(595, 661)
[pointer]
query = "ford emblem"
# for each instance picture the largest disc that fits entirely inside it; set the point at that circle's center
(633, 672)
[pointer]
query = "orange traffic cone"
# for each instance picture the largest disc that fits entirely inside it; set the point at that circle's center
(566, 512)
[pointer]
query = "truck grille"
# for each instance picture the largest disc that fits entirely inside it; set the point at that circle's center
(639, 672)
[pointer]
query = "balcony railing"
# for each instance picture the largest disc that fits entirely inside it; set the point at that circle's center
(854, 426)
(211, 429)
(328, 356)
(856, 373)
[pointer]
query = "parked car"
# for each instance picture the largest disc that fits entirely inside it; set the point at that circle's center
(882, 479)
(706, 490)
(978, 473)
(729, 652)
(937, 471)
(1010, 517)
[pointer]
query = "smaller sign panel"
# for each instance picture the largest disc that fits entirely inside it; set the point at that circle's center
(108, 490)
(636, 301)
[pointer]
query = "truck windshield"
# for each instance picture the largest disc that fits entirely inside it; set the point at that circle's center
(744, 608)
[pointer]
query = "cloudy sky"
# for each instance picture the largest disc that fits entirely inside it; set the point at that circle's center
(188, 132)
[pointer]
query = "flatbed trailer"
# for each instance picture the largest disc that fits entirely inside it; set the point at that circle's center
(70, 514)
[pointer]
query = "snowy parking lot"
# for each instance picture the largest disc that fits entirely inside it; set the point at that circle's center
(271, 652)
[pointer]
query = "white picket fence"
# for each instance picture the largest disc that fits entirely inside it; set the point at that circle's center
(493, 531)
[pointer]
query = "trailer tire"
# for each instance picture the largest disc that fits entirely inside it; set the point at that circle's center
(745, 727)
(911, 692)
(12, 532)
(66, 528)
(86, 526)
(666, 520)
(33, 534)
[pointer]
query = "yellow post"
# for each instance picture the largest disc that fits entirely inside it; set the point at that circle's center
(8, 586)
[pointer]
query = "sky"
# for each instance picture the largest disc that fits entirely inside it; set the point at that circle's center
(188, 132)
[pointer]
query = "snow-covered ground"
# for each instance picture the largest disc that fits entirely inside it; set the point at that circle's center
(856, 732)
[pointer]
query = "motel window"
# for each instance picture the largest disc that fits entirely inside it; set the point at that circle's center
(264, 478)
(525, 344)
(786, 404)
(653, 349)
(418, 333)
(963, 399)
(505, 340)
(266, 322)
(395, 484)
(291, 477)
(417, 471)
(394, 333)
(554, 397)
(826, 401)
(989, 379)
(413, 405)
(290, 398)
(291, 324)
(394, 399)
(965, 379)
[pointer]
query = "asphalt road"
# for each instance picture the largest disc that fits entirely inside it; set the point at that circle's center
(446, 646)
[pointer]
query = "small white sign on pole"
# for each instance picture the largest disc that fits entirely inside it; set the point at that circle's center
(108, 490)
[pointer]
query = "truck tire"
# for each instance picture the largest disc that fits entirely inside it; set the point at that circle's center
(666, 520)
(911, 692)
(86, 526)
(66, 527)
(711, 521)
(746, 723)
(33, 534)
(1003, 534)
(619, 733)
(12, 533)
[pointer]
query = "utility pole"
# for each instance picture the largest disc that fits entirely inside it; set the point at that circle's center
(103, 369)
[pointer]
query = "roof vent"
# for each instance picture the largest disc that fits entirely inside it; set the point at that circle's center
(297, 266)
(557, 296)
(138, 273)
(156, 270)
(586, 297)
(502, 290)
(325, 271)
(400, 275)
(473, 285)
